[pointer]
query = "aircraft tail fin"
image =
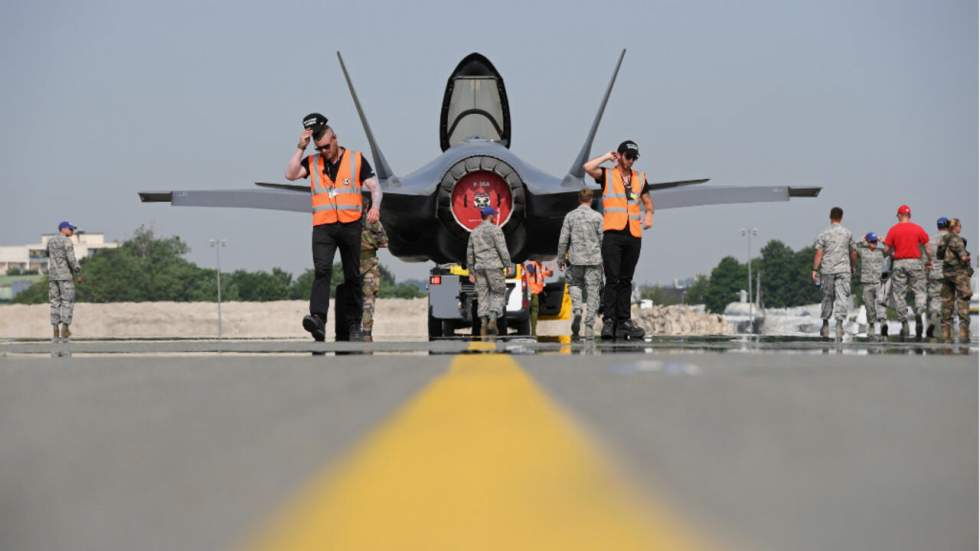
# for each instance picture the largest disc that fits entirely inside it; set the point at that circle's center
(381, 167)
(576, 172)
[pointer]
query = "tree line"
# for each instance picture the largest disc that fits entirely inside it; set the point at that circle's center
(785, 275)
(149, 268)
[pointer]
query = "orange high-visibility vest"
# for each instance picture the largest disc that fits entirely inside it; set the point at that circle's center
(620, 207)
(340, 200)
(535, 277)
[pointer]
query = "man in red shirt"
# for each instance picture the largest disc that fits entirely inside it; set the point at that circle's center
(906, 241)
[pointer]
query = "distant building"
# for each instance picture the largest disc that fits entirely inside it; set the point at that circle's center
(34, 258)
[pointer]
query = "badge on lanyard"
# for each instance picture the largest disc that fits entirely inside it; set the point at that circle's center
(632, 196)
(332, 193)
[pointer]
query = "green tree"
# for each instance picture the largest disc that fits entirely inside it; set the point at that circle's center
(697, 290)
(261, 286)
(728, 277)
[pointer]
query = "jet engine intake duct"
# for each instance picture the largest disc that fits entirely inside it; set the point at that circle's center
(475, 182)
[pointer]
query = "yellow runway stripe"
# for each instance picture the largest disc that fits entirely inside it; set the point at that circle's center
(479, 460)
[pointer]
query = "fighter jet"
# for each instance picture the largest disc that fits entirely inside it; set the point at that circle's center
(429, 213)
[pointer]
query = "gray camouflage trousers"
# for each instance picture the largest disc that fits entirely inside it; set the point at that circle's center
(61, 295)
(585, 280)
(491, 291)
(869, 293)
(934, 294)
(885, 299)
(836, 296)
(908, 272)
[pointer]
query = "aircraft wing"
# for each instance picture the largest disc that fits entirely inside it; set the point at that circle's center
(234, 198)
(718, 195)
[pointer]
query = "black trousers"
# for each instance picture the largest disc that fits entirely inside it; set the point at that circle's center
(619, 255)
(327, 239)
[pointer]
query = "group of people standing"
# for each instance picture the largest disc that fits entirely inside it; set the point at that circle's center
(591, 246)
(936, 269)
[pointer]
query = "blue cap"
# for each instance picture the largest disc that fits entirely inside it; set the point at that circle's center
(66, 224)
(942, 222)
(871, 237)
(487, 211)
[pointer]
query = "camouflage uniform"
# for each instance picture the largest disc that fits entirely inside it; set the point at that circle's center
(956, 283)
(906, 273)
(580, 247)
(934, 286)
(872, 262)
(62, 267)
(835, 271)
(486, 257)
(373, 237)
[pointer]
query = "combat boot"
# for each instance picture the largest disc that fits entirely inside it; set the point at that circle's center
(947, 333)
(588, 332)
(884, 329)
(931, 331)
(315, 326)
(964, 334)
(65, 332)
(919, 326)
(825, 329)
(56, 335)
(483, 327)
(366, 336)
(608, 329)
(576, 324)
(840, 330)
(355, 333)
(628, 330)
(904, 332)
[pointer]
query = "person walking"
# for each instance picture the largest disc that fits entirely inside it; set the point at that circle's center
(337, 176)
(833, 263)
(373, 237)
(580, 255)
(624, 190)
(957, 271)
(906, 242)
(872, 263)
(535, 274)
(934, 278)
(63, 268)
(487, 258)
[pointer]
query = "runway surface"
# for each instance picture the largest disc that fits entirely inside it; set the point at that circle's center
(670, 444)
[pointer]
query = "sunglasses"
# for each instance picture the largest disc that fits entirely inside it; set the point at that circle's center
(631, 156)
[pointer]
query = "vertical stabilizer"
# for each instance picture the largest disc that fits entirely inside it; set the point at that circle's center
(381, 167)
(576, 172)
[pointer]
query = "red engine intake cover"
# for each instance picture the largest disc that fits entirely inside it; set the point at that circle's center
(477, 190)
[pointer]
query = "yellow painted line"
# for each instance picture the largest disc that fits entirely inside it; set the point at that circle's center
(481, 346)
(479, 460)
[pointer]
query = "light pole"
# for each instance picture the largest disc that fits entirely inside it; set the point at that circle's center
(749, 232)
(217, 244)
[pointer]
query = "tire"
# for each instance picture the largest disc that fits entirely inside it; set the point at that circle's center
(523, 327)
(435, 327)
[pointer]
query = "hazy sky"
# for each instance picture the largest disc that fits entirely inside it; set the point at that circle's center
(876, 101)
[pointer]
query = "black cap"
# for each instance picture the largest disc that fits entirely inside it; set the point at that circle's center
(629, 146)
(314, 120)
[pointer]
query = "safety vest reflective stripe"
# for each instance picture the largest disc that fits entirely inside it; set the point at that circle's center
(340, 200)
(622, 209)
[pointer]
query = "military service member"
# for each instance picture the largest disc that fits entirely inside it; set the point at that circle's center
(872, 262)
(905, 242)
(580, 254)
(62, 269)
(934, 277)
(833, 264)
(885, 298)
(373, 237)
(957, 271)
(486, 259)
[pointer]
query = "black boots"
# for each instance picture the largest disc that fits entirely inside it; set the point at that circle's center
(576, 325)
(315, 326)
(629, 330)
(608, 330)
